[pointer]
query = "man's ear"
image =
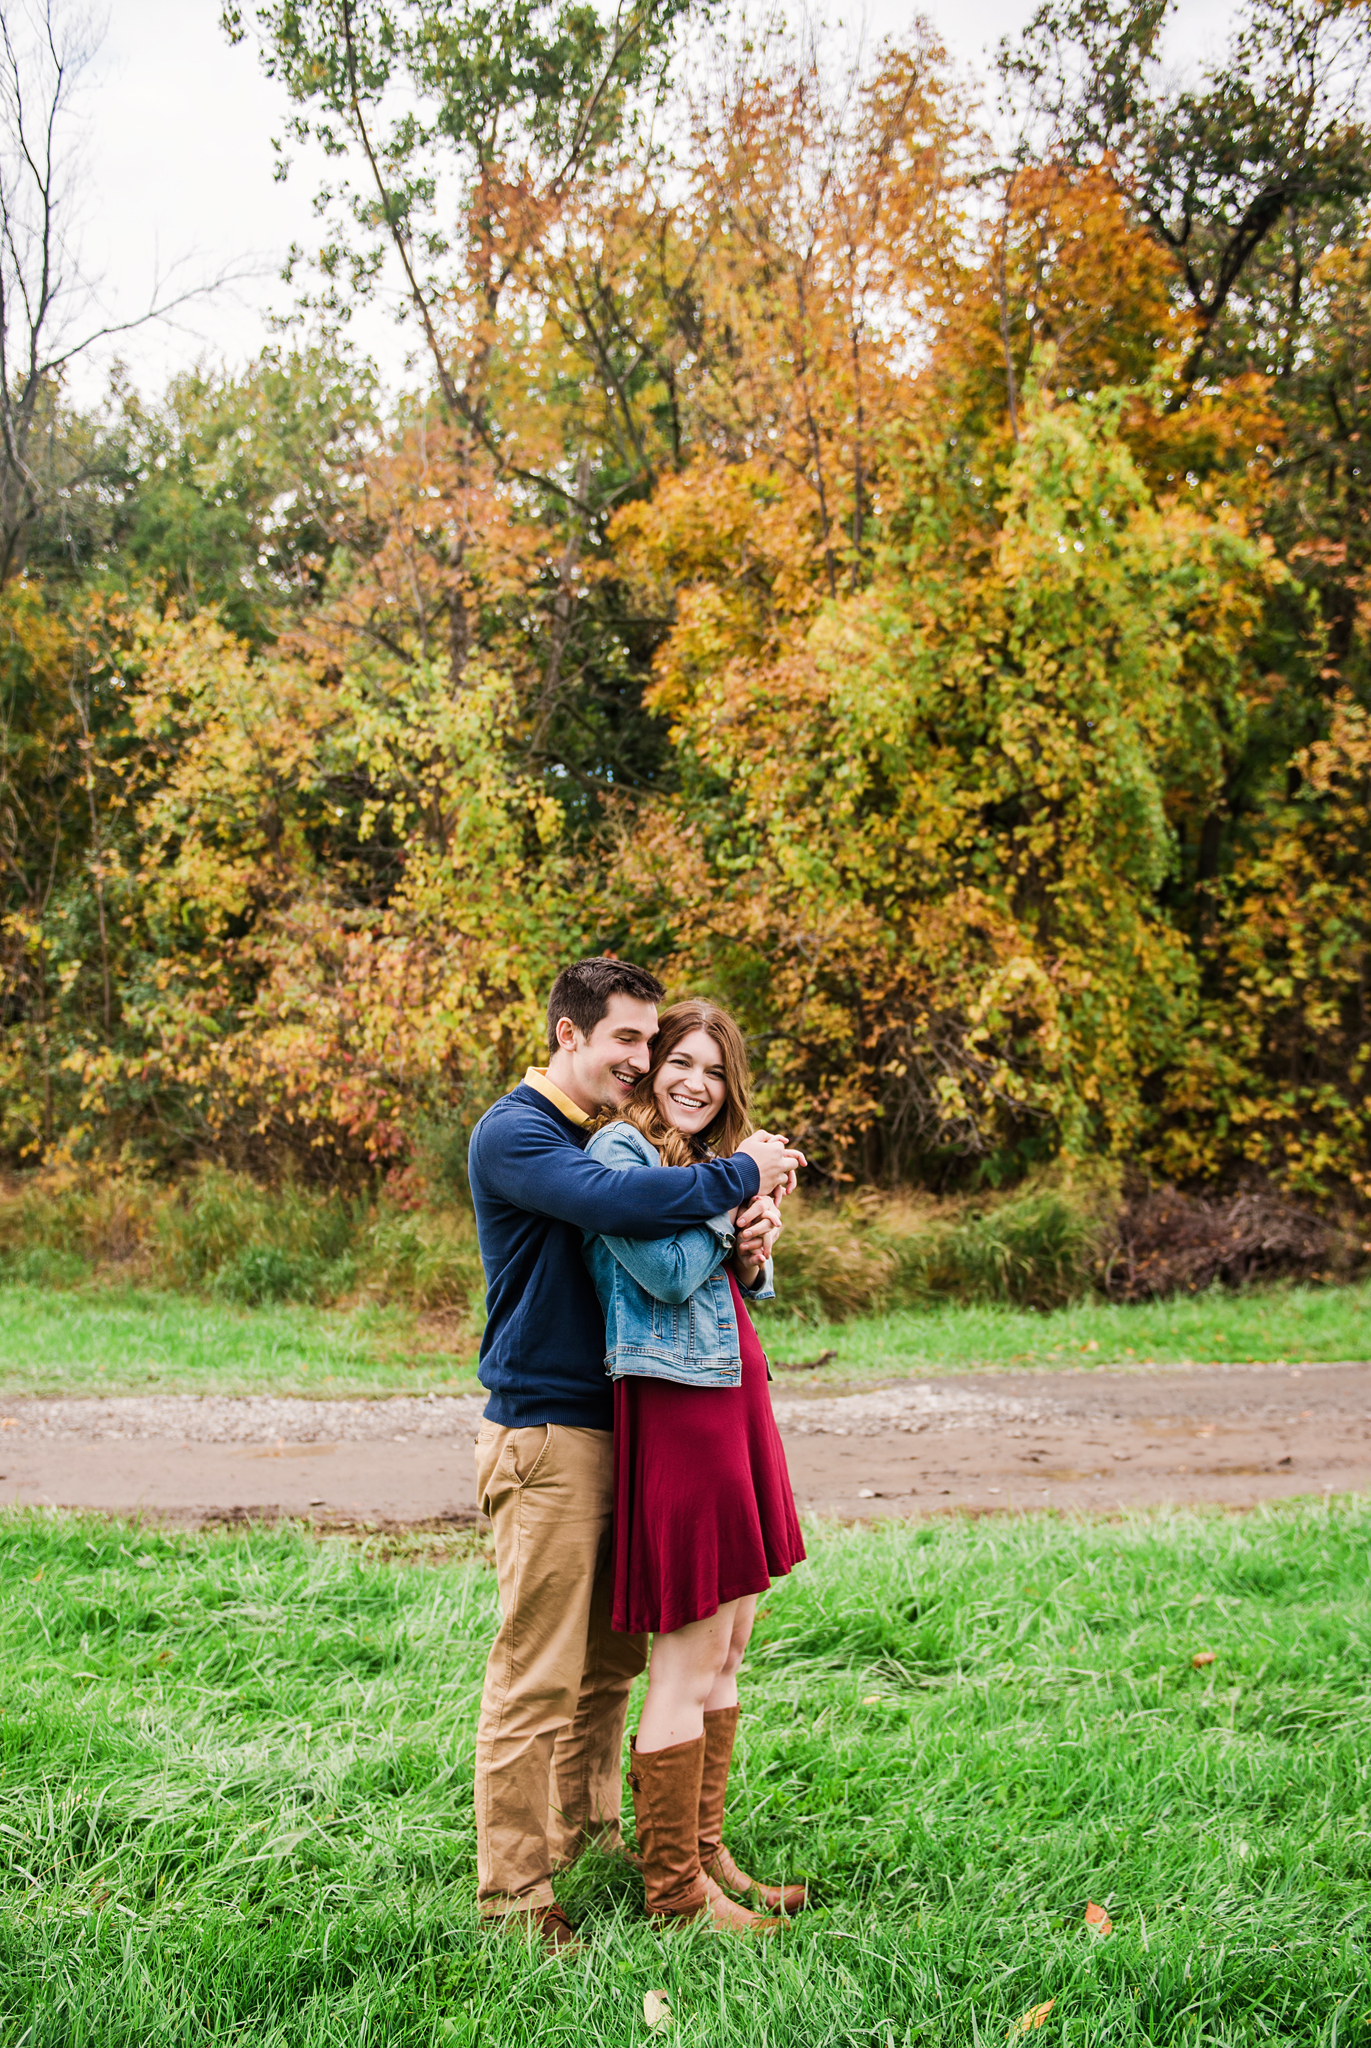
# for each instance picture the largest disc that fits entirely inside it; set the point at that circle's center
(567, 1035)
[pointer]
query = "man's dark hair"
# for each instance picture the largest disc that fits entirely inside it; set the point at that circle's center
(582, 992)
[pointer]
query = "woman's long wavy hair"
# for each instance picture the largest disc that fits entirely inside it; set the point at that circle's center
(734, 1121)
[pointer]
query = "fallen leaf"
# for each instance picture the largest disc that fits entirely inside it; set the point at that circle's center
(1035, 2017)
(871, 1699)
(1202, 1657)
(1097, 1920)
(9, 1422)
(656, 2009)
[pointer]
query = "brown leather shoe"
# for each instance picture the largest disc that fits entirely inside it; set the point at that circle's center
(551, 1927)
(666, 1803)
(548, 1926)
(721, 1728)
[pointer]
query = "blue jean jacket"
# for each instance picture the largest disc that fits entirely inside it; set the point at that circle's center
(668, 1308)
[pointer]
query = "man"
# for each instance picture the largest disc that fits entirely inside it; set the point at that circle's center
(550, 1738)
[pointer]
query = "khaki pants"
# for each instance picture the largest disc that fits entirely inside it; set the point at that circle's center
(549, 1744)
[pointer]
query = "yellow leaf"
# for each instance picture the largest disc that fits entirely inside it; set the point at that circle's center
(1097, 1920)
(1203, 1657)
(1034, 2018)
(656, 2009)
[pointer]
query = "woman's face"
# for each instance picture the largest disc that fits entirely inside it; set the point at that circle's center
(689, 1085)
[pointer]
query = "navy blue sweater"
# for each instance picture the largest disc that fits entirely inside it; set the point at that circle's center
(535, 1191)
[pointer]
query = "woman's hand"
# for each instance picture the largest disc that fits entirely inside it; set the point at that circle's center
(758, 1226)
(777, 1163)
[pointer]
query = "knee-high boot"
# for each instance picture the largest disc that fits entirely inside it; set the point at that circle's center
(666, 1807)
(721, 1728)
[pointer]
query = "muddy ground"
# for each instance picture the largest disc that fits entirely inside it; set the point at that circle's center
(1083, 1441)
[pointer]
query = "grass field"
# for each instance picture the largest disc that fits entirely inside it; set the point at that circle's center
(121, 1340)
(235, 1796)
(103, 1339)
(1312, 1323)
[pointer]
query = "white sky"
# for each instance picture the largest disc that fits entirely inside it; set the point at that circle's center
(179, 128)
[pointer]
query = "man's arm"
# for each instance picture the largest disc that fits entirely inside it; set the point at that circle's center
(525, 1161)
(671, 1267)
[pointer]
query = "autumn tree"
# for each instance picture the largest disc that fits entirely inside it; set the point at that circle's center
(913, 593)
(1261, 149)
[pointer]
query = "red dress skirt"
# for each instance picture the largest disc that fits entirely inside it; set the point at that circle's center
(703, 1510)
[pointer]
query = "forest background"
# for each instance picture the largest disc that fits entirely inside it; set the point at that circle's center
(888, 552)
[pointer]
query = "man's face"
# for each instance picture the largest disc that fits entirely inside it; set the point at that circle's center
(605, 1066)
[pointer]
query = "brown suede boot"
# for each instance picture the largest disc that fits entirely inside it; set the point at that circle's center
(666, 1805)
(721, 1729)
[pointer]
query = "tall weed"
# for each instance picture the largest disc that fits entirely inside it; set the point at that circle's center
(1038, 1251)
(55, 1227)
(226, 1235)
(428, 1257)
(861, 1256)
(248, 1243)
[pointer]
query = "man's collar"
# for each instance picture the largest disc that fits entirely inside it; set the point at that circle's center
(536, 1078)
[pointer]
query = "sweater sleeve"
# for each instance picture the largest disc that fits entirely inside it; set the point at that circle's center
(524, 1159)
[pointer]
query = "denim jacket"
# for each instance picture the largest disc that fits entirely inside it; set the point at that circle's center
(668, 1307)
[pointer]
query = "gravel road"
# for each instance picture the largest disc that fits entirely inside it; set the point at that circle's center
(1100, 1440)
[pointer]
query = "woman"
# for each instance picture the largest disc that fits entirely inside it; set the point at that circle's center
(704, 1517)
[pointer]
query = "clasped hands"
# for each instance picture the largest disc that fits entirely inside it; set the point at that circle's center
(758, 1226)
(758, 1222)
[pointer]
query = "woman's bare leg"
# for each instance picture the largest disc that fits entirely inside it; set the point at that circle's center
(684, 1673)
(725, 1693)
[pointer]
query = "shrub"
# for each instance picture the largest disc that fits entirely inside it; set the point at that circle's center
(1173, 1243)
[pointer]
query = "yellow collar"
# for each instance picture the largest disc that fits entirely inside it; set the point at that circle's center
(536, 1077)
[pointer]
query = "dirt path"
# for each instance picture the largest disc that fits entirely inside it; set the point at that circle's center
(1230, 1435)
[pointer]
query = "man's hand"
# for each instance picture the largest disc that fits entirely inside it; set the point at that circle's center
(777, 1164)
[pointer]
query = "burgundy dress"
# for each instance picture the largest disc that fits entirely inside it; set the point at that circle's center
(703, 1511)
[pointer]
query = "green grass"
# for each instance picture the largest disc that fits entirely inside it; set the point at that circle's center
(1292, 1323)
(129, 1340)
(236, 1770)
(101, 1339)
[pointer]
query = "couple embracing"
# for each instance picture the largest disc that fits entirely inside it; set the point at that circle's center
(629, 1462)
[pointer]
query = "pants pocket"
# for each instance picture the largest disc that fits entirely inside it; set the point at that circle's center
(527, 1449)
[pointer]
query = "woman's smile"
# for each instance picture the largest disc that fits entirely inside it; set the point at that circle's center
(690, 1087)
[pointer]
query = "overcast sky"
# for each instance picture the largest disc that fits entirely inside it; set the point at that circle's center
(179, 128)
